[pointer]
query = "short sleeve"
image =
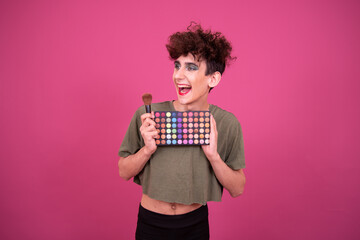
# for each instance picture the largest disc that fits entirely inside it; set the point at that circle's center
(132, 141)
(236, 158)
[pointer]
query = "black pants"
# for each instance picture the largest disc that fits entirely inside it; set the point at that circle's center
(189, 226)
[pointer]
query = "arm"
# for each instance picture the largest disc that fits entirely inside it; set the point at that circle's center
(131, 165)
(231, 180)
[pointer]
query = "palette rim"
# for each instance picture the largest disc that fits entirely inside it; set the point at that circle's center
(182, 128)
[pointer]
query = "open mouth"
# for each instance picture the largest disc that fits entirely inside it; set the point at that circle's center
(184, 90)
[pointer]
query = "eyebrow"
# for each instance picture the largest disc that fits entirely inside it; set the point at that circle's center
(186, 63)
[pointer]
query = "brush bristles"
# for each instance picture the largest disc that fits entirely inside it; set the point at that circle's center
(147, 98)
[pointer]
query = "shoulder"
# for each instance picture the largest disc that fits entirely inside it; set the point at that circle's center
(223, 116)
(160, 106)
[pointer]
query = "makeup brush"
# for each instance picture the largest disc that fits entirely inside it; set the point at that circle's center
(147, 97)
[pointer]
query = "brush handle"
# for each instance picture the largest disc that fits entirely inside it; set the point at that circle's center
(148, 108)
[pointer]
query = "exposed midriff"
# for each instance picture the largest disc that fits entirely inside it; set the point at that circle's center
(165, 207)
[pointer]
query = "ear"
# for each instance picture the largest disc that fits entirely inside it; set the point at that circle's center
(214, 79)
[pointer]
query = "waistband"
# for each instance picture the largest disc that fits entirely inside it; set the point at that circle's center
(173, 221)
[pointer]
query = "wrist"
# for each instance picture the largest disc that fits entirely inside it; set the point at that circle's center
(214, 158)
(147, 151)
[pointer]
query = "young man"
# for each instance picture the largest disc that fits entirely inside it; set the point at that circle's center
(178, 181)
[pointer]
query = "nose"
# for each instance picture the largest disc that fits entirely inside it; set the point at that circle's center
(179, 74)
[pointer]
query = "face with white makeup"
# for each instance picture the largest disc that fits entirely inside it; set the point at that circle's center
(191, 83)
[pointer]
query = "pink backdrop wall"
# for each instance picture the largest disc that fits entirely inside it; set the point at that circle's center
(72, 73)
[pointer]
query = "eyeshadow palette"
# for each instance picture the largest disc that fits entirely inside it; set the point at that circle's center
(182, 128)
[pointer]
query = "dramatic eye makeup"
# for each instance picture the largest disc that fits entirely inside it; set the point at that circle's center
(189, 66)
(177, 65)
(183, 128)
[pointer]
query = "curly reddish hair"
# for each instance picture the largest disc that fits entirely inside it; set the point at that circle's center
(203, 44)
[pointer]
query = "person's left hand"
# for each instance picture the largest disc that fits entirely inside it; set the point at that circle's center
(211, 149)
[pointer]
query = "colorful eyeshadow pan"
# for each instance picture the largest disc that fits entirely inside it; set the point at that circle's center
(183, 128)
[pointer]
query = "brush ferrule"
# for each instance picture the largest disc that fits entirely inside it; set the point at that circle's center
(148, 108)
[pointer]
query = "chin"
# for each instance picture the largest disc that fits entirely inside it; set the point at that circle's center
(183, 101)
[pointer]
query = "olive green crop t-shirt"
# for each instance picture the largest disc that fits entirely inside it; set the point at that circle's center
(182, 174)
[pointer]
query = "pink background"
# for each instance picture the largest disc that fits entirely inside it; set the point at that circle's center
(73, 72)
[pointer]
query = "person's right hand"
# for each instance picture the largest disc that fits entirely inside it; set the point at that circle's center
(148, 132)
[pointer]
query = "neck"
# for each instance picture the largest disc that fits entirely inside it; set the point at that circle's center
(191, 107)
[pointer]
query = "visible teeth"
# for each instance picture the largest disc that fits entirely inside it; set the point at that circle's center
(184, 89)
